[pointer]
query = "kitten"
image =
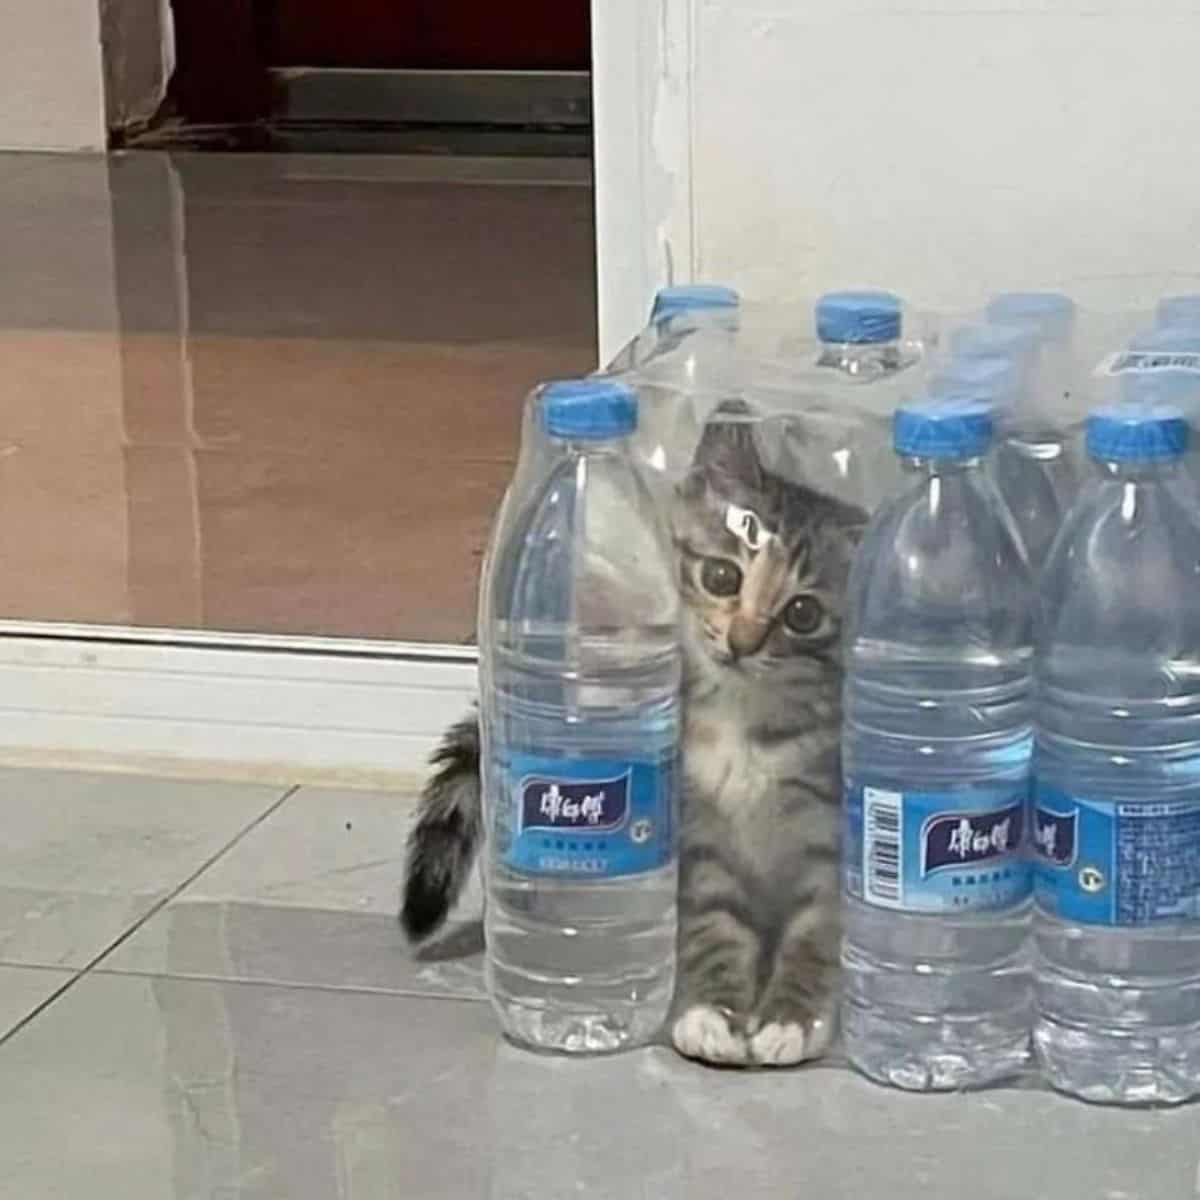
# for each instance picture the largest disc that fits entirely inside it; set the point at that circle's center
(762, 568)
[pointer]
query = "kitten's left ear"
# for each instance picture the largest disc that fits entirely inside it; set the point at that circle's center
(855, 527)
(851, 524)
(727, 447)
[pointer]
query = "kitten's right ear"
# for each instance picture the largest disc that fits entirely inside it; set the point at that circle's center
(727, 448)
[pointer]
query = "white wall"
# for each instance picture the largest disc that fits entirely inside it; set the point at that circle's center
(51, 86)
(641, 102)
(940, 148)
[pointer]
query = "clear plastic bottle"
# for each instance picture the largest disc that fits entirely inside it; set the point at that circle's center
(580, 676)
(936, 753)
(1015, 343)
(680, 364)
(1033, 465)
(1051, 314)
(693, 298)
(1030, 463)
(1160, 384)
(1178, 312)
(1116, 815)
(859, 332)
(861, 355)
(676, 311)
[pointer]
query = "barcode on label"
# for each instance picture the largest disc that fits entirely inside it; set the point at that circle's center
(883, 866)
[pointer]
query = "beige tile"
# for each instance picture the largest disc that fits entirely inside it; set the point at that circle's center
(290, 548)
(310, 897)
(352, 496)
(22, 989)
(271, 394)
(84, 857)
(62, 478)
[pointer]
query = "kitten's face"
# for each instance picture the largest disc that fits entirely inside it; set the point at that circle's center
(763, 563)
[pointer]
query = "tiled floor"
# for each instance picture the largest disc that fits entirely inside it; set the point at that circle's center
(274, 393)
(232, 1013)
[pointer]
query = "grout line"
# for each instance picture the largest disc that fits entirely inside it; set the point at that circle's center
(153, 911)
(50, 968)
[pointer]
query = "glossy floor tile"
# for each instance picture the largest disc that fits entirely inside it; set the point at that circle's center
(272, 393)
(134, 1087)
(309, 897)
(267, 1035)
(22, 989)
(84, 858)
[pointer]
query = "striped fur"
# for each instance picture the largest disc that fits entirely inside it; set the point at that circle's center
(443, 842)
(759, 931)
(759, 883)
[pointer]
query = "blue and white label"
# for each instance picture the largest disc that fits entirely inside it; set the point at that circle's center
(1113, 862)
(1149, 362)
(599, 818)
(936, 852)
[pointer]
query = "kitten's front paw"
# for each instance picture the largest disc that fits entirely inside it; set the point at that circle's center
(704, 1033)
(785, 1043)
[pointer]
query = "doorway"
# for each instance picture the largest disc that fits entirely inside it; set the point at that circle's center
(389, 74)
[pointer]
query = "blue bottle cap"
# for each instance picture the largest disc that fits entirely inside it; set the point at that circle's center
(1179, 310)
(994, 341)
(1051, 313)
(1169, 339)
(692, 297)
(588, 409)
(1137, 433)
(978, 380)
(859, 318)
(942, 427)
(1164, 384)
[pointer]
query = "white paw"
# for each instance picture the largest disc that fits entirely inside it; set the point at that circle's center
(703, 1032)
(784, 1043)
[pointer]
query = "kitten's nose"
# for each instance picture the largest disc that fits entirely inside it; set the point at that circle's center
(747, 635)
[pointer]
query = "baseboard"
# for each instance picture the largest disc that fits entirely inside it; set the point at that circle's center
(278, 713)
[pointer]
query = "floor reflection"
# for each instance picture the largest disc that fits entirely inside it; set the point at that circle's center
(273, 394)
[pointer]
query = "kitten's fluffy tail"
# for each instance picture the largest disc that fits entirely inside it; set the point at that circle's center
(442, 845)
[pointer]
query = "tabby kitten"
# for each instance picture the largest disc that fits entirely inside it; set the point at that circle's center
(762, 568)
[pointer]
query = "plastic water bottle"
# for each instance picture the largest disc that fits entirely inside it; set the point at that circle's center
(1159, 383)
(936, 753)
(859, 332)
(1016, 343)
(713, 299)
(995, 382)
(1033, 465)
(677, 310)
(680, 365)
(861, 355)
(1030, 463)
(1050, 314)
(1116, 819)
(1178, 312)
(580, 676)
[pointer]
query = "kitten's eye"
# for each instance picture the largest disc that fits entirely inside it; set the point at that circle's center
(804, 615)
(720, 577)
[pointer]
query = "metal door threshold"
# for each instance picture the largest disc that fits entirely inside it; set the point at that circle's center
(482, 114)
(513, 99)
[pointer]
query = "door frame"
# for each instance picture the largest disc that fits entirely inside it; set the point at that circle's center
(223, 77)
(645, 215)
(179, 700)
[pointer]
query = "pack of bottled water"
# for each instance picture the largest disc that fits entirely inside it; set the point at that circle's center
(1021, 747)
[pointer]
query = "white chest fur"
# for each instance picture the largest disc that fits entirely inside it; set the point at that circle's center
(722, 763)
